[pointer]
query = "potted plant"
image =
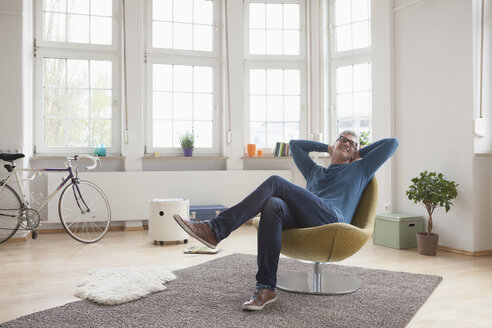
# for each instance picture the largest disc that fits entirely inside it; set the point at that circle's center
(187, 142)
(432, 190)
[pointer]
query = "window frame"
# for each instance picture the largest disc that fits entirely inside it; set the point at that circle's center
(184, 57)
(340, 59)
(216, 119)
(115, 44)
(215, 53)
(38, 102)
(276, 62)
(333, 41)
(303, 119)
(303, 37)
(67, 50)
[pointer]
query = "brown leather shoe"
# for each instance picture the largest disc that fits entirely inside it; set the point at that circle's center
(199, 231)
(260, 298)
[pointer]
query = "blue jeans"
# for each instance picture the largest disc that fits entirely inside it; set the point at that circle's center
(283, 205)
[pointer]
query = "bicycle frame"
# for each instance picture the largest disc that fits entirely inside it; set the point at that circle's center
(25, 203)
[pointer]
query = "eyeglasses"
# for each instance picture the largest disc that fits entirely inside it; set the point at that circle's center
(351, 143)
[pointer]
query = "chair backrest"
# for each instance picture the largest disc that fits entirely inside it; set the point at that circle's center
(366, 210)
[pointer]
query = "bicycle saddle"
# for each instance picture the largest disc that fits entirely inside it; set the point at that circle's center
(10, 157)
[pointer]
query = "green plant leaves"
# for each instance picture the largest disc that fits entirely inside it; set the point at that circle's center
(187, 140)
(432, 190)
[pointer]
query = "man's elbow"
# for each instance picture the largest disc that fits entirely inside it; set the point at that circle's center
(392, 144)
(394, 141)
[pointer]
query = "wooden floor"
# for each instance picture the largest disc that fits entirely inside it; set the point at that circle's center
(40, 274)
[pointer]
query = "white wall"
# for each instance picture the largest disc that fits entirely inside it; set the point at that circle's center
(482, 206)
(11, 113)
(130, 200)
(433, 61)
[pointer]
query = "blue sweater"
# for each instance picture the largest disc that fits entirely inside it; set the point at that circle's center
(341, 185)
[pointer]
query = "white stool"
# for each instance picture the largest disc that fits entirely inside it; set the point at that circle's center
(162, 226)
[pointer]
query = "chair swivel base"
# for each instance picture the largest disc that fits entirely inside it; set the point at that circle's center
(317, 283)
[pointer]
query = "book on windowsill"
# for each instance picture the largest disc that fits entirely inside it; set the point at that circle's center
(201, 250)
(282, 149)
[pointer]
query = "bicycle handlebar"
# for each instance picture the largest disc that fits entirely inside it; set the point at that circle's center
(95, 159)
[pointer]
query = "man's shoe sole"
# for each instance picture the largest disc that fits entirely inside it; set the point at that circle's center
(179, 221)
(257, 307)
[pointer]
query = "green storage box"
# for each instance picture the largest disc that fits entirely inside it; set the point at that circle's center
(397, 230)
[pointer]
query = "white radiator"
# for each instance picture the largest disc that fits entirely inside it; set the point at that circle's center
(129, 192)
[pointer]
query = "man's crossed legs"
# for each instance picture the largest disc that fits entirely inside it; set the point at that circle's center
(283, 205)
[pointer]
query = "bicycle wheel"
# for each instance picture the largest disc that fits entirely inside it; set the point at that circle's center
(10, 206)
(84, 211)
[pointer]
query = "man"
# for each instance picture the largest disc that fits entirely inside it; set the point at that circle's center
(331, 195)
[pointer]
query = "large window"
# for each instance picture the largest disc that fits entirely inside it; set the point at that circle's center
(275, 105)
(353, 97)
(274, 28)
(183, 24)
(182, 100)
(276, 71)
(76, 105)
(350, 58)
(182, 75)
(352, 24)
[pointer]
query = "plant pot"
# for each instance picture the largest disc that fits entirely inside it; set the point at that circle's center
(188, 152)
(427, 243)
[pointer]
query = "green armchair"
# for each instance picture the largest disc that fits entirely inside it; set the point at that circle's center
(328, 243)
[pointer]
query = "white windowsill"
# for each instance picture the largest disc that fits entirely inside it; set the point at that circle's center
(196, 157)
(270, 157)
(55, 157)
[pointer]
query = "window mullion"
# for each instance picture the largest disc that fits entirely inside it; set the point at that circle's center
(90, 106)
(66, 119)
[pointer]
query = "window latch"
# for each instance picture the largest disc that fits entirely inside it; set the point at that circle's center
(332, 28)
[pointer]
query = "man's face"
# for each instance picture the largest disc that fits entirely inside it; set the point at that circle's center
(346, 145)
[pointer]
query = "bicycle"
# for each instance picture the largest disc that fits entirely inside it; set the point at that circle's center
(83, 208)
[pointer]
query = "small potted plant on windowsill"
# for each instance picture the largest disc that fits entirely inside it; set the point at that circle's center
(187, 142)
(432, 190)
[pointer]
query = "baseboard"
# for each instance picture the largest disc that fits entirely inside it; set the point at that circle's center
(23, 238)
(483, 253)
(46, 231)
(61, 230)
(141, 228)
(463, 252)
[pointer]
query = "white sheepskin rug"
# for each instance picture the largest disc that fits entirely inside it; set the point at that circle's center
(123, 284)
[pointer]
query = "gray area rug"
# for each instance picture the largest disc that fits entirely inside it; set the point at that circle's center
(211, 294)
